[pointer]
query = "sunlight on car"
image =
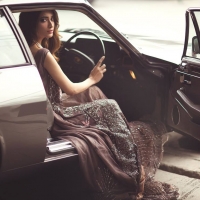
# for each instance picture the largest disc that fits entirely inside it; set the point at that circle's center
(16, 95)
(10, 51)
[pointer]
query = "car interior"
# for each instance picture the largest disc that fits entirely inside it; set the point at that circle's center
(136, 91)
(137, 87)
(126, 80)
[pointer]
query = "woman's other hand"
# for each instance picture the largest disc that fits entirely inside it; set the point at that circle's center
(97, 73)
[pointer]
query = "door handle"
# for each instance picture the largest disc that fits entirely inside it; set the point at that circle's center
(183, 66)
(187, 82)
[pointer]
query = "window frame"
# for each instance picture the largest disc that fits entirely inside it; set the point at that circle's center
(190, 14)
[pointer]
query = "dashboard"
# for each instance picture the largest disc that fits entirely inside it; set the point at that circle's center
(118, 82)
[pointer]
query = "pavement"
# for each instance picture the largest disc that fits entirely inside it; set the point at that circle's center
(189, 188)
(181, 165)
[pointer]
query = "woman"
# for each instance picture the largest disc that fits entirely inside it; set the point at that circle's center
(118, 158)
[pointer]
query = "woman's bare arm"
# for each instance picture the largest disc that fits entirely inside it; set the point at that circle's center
(63, 81)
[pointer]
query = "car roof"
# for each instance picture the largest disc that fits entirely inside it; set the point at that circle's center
(19, 2)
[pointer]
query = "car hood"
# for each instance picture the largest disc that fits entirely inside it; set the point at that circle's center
(163, 49)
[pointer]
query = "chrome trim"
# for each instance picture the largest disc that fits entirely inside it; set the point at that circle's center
(58, 146)
(71, 154)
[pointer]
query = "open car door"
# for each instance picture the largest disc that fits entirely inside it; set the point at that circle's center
(184, 95)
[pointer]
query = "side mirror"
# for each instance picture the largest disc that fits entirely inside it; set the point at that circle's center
(195, 45)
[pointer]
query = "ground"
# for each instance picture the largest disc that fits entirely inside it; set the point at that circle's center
(181, 165)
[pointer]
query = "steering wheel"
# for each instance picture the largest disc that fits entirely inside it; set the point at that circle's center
(74, 61)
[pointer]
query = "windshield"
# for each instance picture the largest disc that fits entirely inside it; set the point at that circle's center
(74, 21)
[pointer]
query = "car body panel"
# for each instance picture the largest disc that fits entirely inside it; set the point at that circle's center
(170, 51)
(20, 2)
(23, 102)
(23, 117)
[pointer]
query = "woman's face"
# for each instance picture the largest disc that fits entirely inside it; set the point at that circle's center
(45, 25)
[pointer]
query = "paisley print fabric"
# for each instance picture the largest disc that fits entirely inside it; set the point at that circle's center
(118, 158)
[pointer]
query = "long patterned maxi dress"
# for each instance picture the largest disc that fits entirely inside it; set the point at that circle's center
(118, 158)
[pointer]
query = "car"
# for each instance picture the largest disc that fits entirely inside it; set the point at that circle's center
(141, 84)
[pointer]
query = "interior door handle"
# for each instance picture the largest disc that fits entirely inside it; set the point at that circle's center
(192, 108)
(187, 82)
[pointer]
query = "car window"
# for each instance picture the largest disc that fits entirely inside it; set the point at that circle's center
(72, 22)
(197, 14)
(192, 34)
(193, 49)
(75, 20)
(10, 52)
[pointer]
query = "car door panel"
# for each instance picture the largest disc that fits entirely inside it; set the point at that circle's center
(26, 115)
(184, 96)
(23, 133)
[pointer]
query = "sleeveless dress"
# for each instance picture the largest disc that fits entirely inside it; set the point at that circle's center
(118, 158)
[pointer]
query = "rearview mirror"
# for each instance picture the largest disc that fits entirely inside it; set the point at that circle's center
(195, 45)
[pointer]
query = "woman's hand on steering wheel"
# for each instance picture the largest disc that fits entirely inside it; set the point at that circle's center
(97, 72)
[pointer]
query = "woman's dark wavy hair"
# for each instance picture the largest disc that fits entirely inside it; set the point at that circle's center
(28, 22)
